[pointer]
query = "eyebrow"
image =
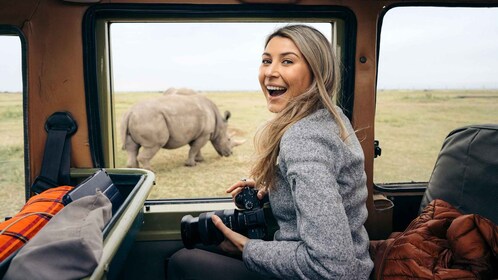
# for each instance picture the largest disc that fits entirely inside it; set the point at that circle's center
(283, 54)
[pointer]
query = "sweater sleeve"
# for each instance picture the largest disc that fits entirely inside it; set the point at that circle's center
(324, 248)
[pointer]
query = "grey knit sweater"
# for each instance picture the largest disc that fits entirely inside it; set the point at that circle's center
(319, 204)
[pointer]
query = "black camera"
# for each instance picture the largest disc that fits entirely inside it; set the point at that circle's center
(249, 221)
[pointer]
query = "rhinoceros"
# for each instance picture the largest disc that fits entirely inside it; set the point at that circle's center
(175, 119)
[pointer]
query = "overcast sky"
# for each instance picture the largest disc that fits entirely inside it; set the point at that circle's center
(202, 56)
(420, 48)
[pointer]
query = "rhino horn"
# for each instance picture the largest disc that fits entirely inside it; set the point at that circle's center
(238, 142)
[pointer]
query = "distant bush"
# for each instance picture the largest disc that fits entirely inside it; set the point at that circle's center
(12, 113)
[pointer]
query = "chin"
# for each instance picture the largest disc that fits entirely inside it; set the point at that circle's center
(274, 109)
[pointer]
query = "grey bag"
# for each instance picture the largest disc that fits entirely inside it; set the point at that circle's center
(69, 246)
(466, 171)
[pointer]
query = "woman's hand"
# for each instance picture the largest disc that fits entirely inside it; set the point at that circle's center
(239, 185)
(234, 242)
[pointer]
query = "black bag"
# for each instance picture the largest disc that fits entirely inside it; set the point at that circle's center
(101, 181)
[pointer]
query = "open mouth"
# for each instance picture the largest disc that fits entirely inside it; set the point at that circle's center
(276, 91)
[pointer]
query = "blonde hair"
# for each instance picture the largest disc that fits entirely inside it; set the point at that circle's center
(323, 66)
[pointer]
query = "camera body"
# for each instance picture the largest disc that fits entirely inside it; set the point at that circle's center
(249, 221)
(253, 214)
(247, 199)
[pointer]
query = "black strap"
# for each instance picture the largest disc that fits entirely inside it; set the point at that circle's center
(60, 126)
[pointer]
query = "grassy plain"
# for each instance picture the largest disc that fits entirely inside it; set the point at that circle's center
(11, 154)
(410, 125)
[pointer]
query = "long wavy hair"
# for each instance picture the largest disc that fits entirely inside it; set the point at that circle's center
(318, 53)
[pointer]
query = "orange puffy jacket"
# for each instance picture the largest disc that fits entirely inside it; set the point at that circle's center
(441, 243)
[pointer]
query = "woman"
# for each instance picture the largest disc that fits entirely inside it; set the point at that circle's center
(310, 164)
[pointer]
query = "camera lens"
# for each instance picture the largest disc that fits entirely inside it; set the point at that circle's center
(190, 234)
(250, 223)
(202, 229)
(207, 230)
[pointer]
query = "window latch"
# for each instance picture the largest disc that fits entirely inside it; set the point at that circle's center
(377, 149)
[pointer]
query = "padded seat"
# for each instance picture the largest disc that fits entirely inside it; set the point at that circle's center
(466, 171)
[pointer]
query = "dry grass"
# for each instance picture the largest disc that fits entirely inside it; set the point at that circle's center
(411, 127)
(11, 154)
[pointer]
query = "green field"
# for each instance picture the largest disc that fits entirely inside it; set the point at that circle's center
(411, 126)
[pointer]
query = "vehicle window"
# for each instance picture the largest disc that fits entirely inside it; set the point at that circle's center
(217, 60)
(437, 72)
(11, 127)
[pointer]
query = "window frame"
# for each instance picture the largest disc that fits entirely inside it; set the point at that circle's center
(408, 188)
(11, 30)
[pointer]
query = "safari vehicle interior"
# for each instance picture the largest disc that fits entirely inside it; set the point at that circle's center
(71, 58)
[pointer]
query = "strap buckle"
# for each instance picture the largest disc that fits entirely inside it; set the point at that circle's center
(61, 121)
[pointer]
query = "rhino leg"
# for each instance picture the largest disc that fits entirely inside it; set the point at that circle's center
(132, 151)
(199, 157)
(146, 154)
(195, 149)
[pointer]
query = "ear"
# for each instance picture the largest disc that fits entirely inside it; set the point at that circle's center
(227, 115)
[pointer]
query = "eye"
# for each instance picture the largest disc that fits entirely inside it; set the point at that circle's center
(266, 61)
(287, 61)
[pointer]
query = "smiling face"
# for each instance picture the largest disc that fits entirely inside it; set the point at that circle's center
(283, 74)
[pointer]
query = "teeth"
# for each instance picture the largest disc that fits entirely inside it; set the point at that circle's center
(275, 88)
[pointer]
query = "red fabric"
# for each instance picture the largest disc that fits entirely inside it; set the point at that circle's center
(23, 226)
(439, 244)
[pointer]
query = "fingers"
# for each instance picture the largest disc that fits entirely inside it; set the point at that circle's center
(218, 223)
(262, 193)
(236, 240)
(227, 246)
(237, 187)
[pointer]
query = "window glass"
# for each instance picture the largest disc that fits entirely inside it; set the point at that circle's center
(11, 127)
(437, 72)
(219, 61)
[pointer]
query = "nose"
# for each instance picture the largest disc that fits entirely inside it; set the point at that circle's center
(271, 70)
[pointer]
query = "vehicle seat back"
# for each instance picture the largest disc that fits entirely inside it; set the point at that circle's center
(466, 171)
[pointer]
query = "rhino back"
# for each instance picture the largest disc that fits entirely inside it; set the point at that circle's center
(172, 120)
(187, 118)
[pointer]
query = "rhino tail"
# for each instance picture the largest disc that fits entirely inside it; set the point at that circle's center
(124, 128)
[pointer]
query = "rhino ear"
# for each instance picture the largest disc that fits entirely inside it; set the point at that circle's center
(227, 115)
